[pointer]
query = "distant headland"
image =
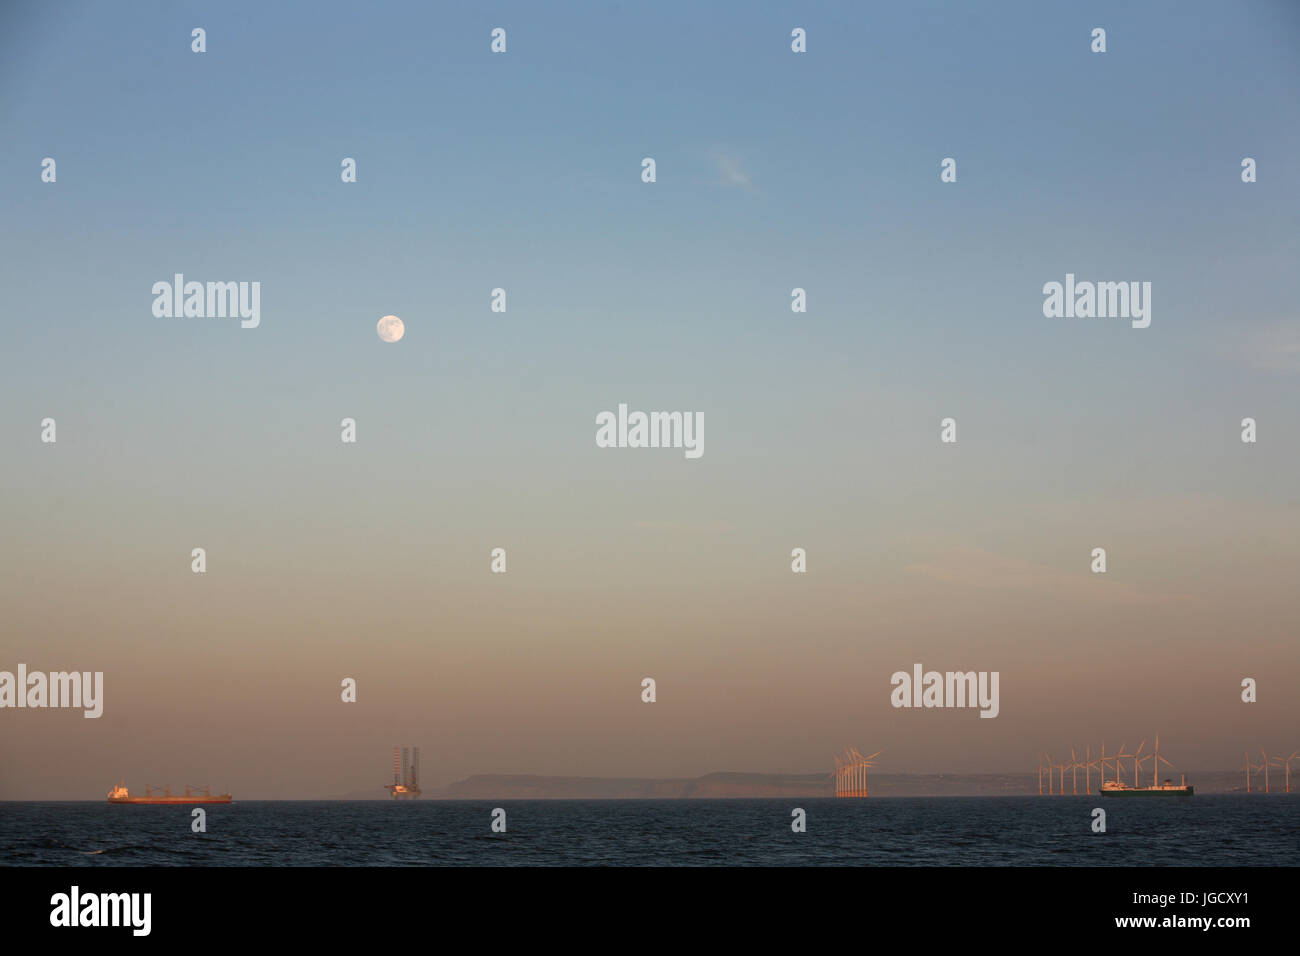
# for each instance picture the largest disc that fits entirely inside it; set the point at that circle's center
(753, 786)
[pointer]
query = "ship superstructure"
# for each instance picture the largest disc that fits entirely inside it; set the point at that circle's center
(406, 773)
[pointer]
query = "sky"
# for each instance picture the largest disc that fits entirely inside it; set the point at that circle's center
(775, 170)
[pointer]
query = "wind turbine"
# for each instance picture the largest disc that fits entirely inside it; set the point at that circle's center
(1102, 762)
(850, 772)
(1287, 764)
(1256, 768)
(1119, 756)
(1280, 762)
(1088, 764)
(1155, 769)
(1137, 761)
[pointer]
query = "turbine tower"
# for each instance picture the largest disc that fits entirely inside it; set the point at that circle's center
(1155, 769)
(1286, 762)
(1138, 760)
(851, 772)
(1118, 757)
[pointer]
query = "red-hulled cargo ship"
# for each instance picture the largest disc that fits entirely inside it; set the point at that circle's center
(119, 794)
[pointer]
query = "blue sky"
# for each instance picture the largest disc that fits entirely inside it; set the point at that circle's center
(775, 170)
(477, 171)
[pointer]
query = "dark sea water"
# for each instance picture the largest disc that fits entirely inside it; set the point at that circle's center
(1212, 830)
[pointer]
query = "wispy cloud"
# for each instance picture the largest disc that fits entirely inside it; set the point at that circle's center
(730, 171)
(1267, 345)
(984, 570)
(1275, 346)
(708, 526)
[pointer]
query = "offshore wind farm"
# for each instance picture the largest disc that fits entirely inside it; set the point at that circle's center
(854, 775)
(1113, 785)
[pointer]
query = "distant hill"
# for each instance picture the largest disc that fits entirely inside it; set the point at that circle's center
(716, 785)
(377, 793)
(762, 785)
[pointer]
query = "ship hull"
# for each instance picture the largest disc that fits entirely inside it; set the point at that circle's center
(170, 801)
(1149, 792)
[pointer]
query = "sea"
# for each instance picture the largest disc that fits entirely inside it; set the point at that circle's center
(1203, 830)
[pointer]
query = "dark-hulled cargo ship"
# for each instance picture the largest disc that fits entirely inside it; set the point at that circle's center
(1112, 788)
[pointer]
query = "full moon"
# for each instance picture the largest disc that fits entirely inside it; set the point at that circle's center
(390, 328)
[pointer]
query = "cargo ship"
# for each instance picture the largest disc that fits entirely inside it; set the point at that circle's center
(406, 774)
(164, 795)
(1113, 788)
